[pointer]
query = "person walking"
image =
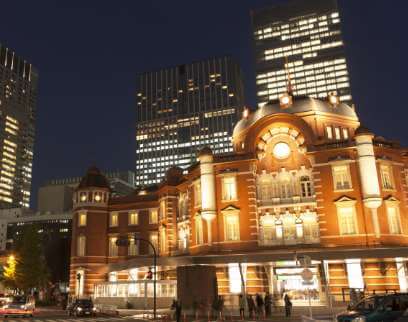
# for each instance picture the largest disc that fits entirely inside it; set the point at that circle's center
(251, 306)
(259, 306)
(268, 304)
(241, 306)
(288, 305)
(178, 311)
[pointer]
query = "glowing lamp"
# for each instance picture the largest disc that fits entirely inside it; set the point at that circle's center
(281, 150)
(285, 100)
(333, 98)
(245, 113)
(98, 197)
(83, 198)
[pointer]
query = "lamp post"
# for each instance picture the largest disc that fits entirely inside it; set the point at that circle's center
(154, 272)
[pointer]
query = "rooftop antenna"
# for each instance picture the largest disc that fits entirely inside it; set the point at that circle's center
(289, 86)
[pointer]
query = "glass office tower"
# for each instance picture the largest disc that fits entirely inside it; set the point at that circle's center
(18, 95)
(303, 37)
(183, 108)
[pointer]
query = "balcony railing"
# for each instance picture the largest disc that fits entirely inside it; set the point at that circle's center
(294, 241)
(271, 201)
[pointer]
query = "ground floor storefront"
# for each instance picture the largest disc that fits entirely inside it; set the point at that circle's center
(334, 276)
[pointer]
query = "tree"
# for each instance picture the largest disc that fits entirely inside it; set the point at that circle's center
(31, 270)
(8, 274)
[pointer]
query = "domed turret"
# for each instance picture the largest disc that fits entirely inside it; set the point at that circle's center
(93, 189)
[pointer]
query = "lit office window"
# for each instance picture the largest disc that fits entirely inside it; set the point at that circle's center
(81, 244)
(347, 220)
(133, 218)
(386, 177)
(82, 218)
(229, 188)
(341, 177)
(113, 219)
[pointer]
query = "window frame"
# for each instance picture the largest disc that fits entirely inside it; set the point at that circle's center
(130, 222)
(156, 221)
(348, 175)
(224, 190)
(111, 216)
(81, 249)
(394, 203)
(197, 193)
(81, 214)
(235, 214)
(347, 204)
(198, 230)
(116, 247)
(389, 168)
(329, 132)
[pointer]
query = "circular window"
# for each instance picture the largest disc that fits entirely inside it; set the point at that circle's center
(281, 150)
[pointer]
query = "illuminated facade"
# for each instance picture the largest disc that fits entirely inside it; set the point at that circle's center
(302, 37)
(18, 95)
(182, 108)
(305, 180)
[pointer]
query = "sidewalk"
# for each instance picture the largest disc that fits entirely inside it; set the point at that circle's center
(277, 315)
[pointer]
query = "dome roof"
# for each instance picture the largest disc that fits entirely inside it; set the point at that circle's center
(93, 179)
(300, 104)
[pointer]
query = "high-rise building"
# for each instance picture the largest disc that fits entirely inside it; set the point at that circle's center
(18, 95)
(182, 108)
(302, 38)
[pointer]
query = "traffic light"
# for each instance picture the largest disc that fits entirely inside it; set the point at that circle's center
(149, 275)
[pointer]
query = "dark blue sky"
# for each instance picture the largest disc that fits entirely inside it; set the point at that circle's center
(89, 53)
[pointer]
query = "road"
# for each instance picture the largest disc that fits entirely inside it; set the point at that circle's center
(66, 319)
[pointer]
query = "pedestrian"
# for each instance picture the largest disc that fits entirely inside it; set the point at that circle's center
(221, 306)
(268, 304)
(259, 305)
(288, 305)
(251, 306)
(241, 306)
(178, 311)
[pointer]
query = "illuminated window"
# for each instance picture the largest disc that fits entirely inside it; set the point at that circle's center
(113, 219)
(133, 218)
(81, 241)
(386, 177)
(163, 240)
(162, 209)
(153, 216)
(394, 222)
(229, 188)
(133, 247)
(347, 220)
(354, 273)
(197, 194)
(154, 239)
(341, 177)
(235, 279)
(113, 248)
(329, 132)
(199, 230)
(337, 133)
(231, 222)
(345, 134)
(82, 218)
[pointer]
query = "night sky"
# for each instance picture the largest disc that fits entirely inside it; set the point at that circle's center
(89, 53)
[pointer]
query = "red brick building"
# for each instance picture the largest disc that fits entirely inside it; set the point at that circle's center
(305, 178)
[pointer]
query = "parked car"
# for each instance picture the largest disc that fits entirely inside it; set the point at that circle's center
(384, 308)
(81, 307)
(19, 305)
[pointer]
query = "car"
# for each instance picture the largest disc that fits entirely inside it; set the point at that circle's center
(376, 308)
(19, 305)
(81, 307)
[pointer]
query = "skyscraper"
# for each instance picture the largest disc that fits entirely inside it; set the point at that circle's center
(18, 95)
(303, 38)
(183, 108)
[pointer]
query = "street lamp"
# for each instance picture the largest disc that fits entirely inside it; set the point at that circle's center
(154, 273)
(125, 242)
